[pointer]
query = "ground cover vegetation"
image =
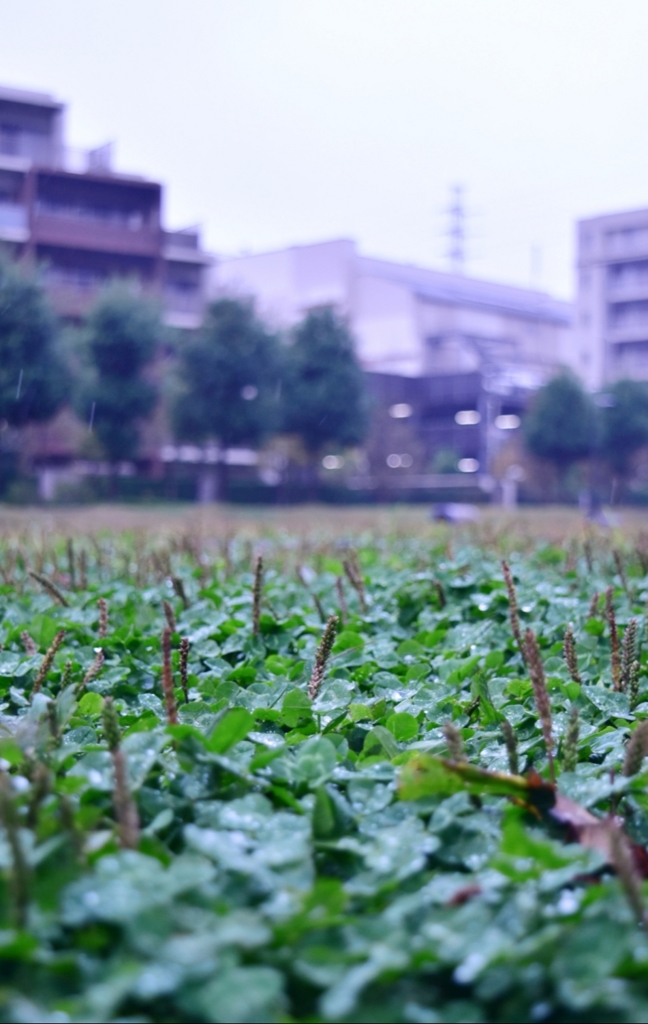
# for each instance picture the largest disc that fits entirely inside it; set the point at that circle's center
(388, 779)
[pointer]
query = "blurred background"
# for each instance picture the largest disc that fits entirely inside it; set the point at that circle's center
(359, 251)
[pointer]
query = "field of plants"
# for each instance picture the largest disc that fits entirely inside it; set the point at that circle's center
(284, 777)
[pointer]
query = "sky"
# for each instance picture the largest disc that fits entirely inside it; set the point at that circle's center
(279, 122)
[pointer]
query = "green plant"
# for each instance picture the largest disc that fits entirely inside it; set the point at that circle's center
(562, 423)
(251, 814)
(324, 401)
(120, 341)
(228, 379)
(624, 424)
(33, 380)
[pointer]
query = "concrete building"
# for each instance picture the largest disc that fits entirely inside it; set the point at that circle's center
(612, 297)
(83, 222)
(407, 320)
(455, 356)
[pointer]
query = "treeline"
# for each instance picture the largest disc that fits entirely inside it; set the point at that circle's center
(603, 432)
(233, 382)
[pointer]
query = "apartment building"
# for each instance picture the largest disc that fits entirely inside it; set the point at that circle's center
(612, 297)
(455, 356)
(84, 223)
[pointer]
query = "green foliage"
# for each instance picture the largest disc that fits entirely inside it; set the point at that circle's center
(561, 424)
(315, 860)
(324, 399)
(625, 423)
(228, 378)
(121, 338)
(33, 382)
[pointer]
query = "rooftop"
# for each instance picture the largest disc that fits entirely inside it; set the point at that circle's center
(29, 96)
(439, 285)
(459, 289)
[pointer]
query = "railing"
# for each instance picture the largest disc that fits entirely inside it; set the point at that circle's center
(96, 233)
(628, 320)
(629, 242)
(79, 277)
(85, 161)
(629, 284)
(134, 220)
(42, 152)
(627, 333)
(188, 238)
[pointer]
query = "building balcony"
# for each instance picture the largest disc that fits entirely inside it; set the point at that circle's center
(184, 254)
(31, 150)
(183, 308)
(184, 247)
(183, 300)
(633, 289)
(627, 243)
(79, 232)
(631, 330)
(14, 223)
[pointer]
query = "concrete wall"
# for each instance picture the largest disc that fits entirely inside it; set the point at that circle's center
(385, 327)
(406, 320)
(287, 283)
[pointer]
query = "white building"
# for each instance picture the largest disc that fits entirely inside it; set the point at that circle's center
(612, 297)
(408, 321)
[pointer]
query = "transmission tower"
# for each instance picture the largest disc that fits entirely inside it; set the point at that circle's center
(457, 230)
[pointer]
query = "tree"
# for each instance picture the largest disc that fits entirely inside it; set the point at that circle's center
(625, 424)
(121, 338)
(228, 379)
(324, 394)
(562, 424)
(33, 379)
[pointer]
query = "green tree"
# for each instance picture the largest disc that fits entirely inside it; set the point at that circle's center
(324, 393)
(625, 424)
(121, 337)
(228, 378)
(33, 379)
(562, 424)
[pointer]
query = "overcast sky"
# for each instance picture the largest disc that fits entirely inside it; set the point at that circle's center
(273, 122)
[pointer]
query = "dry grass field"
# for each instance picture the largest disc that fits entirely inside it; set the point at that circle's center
(495, 527)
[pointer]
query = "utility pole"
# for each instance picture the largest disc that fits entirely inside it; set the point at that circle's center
(457, 231)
